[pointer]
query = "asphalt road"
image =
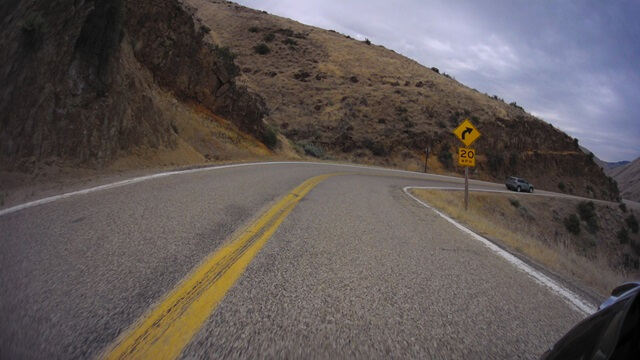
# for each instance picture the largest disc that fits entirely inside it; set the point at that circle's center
(357, 269)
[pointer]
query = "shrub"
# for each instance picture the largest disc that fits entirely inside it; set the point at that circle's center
(228, 59)
(515, 105)
(435, 69)
(441, 124)
(495, 161)
(400, 110)
(623, 207)
(407, 122)
(586, 210)
(572, 224)
(285, 32)
(204, 29)
(33, 26)
(630, 262)
(366, 41)
(254, 29)
(632, 223)
(561, 186)
(290, 42)
(313, 150)
(513, 160)
(262, 49)
(269, 37)
(445, 157)
(514, 202)
(270, 136)
(376, 148)
(623, 236)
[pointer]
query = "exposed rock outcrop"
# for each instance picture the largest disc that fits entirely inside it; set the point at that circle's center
(80, 77)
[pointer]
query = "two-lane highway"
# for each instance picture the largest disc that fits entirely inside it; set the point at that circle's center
(349, 266)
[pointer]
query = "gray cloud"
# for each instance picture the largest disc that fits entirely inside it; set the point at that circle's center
(572, 63)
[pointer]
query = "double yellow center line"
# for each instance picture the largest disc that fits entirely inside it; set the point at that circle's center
(167, 328)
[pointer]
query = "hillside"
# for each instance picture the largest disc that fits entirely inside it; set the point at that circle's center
(625, 173)
(607, 167)
(628, 178)
(361, 102)
(173, 82)
(95, 84)
(610, 166)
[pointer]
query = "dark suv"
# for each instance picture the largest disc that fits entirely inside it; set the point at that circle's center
(518, 184)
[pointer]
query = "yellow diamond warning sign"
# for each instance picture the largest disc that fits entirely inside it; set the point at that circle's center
(467, 133)
(466, 157)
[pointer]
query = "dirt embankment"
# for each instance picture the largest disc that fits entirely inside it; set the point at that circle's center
(597, 243)
(89, 82)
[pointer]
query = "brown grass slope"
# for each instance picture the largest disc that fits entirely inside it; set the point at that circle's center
(602, 249)
(368, 104)
(628, 178)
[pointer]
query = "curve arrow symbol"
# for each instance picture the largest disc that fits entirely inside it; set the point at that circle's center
(467, 131)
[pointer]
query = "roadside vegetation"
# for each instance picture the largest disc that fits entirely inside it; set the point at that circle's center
(593, 243)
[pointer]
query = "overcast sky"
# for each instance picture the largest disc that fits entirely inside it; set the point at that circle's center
(575, 64)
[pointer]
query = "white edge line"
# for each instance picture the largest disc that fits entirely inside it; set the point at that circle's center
(570, 297)
(178, 172)
(483, 190)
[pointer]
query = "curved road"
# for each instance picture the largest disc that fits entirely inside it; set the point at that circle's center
(356, 269)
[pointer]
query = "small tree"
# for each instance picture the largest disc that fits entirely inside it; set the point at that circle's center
(445, 157)
(572, 224)
(586, 210)
(632, 223)
(561, 186)
(269, 37)
(270, 136)
(623, 236)
(262, 49)
(290, 42)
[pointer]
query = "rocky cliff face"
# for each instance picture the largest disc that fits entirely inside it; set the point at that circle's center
(80, 78)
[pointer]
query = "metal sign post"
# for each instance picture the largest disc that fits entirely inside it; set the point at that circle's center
(466, 188)
(467, 133)
(426, 158)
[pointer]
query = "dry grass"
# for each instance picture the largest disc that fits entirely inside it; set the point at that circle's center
(534, 229)
(341, 93)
